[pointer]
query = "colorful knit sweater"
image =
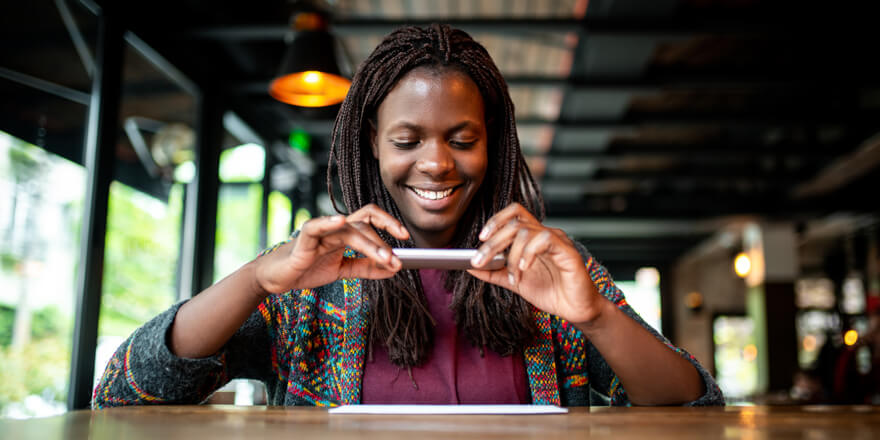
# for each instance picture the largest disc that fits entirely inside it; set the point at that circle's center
(308, 347)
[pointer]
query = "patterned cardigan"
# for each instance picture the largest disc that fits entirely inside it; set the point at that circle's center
(308, 348)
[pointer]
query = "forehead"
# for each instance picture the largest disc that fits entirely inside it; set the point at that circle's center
(429, 94)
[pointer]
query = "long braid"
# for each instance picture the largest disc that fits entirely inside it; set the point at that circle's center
(487, 314)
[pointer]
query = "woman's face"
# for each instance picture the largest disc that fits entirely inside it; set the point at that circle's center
(430, 141)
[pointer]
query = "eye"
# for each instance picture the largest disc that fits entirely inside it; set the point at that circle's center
(405, 144)
(463, 143)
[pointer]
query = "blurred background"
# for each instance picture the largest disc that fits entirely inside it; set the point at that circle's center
(720, 157)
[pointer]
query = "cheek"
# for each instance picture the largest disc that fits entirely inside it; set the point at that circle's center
(475, 165)
(392, 169)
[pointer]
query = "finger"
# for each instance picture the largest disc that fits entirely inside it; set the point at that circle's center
(496, 277)
(539, 245)
(512, 211)
(497, 243)
(365, 269)
(562, 236)
(313, 230)
(374, 215)
(514, 254)
(500, 240)
(382, 248)
(363, 239)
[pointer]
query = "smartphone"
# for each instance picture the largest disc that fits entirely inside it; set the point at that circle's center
(448, 259)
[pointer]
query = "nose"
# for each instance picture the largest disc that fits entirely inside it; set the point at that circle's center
(435, 159)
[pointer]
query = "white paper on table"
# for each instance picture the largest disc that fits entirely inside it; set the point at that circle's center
(448, 409)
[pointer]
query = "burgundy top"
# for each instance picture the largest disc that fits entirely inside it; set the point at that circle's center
(454, 372)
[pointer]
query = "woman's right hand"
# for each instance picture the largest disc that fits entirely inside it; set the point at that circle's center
(315, 257)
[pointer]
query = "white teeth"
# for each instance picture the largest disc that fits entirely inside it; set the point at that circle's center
(432, 195)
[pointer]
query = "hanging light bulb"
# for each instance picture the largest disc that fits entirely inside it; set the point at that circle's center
(309, 75)
(742, 265)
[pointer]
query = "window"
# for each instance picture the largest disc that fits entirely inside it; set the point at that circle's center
(735, 356)
(144, 217)
(280, 209)
(238, 208)
(643, 295)
(41, 197)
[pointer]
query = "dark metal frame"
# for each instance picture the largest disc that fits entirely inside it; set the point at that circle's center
(99, 153)
(199, 222)
(200, 212)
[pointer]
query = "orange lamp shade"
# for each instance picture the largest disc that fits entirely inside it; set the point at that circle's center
(310, 88)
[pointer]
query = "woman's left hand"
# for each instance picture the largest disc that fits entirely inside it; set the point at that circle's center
(543, 266)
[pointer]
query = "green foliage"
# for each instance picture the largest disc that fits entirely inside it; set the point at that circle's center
(238, 227)
(48, 322)
(41, 367)
(143, 237)
(8, 261)
(25, 167)
(7, 320)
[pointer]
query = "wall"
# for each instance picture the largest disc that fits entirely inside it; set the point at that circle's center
(709, 272)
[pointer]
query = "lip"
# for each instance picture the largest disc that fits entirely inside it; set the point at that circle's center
(433, 186)
(433, 205)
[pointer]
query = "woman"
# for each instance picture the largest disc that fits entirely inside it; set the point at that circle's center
(426, 152)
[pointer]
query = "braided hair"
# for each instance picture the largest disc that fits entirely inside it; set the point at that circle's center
(488, 315)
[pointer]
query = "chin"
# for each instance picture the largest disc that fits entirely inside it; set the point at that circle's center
(435, 227)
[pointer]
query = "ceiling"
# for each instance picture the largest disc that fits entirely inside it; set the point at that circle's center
(648, 123)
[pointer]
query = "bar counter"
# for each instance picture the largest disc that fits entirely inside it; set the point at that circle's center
(232, 422)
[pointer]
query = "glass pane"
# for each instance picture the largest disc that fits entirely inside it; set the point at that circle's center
(41, 197)
(816, 330)
(143, 241)
(853, 301)
(302, 216)
(146, 202)
(238, 207)
(244, 163)
(238, 226)
(644, 299)
(735, 356)
(814, 293)
(280, 213)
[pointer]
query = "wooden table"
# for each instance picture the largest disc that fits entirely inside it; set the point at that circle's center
(231, 422)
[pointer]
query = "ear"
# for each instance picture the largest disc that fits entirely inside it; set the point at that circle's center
(373, 133)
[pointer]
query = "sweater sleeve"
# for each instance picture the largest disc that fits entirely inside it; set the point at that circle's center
(143, 370)
(604, 383)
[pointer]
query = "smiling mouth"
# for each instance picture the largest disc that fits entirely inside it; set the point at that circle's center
(432, 195)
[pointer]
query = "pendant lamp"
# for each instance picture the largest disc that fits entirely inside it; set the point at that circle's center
(309, 75)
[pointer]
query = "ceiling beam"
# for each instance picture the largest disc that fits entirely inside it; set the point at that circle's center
(518, 26)
(843, 170)
(617, 155)
(633, 123)
(706, 204)
(696, 206)
(632, 228)
(649, 84)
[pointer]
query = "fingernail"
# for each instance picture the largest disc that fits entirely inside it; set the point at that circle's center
(522, 264)
(511, 278)
(383, 253)
(337, 218)
(478, 258)
(485, 232)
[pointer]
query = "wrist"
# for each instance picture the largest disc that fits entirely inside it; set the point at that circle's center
(599, 322)
(256, 288)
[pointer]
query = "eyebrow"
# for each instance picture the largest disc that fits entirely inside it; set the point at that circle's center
(415, 127)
